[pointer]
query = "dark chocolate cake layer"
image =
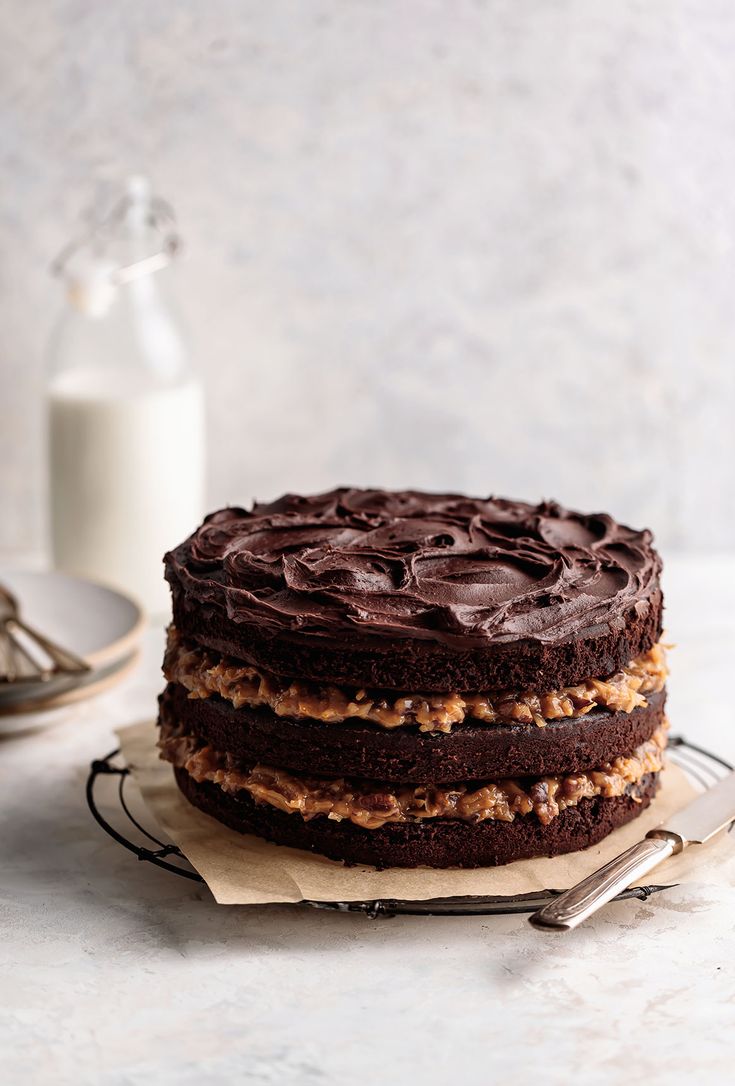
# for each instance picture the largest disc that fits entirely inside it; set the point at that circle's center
(410, 591)
(469, 752)
(419, 666)
(439, 843)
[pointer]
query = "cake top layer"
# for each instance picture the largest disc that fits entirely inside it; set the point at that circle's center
(464, 572)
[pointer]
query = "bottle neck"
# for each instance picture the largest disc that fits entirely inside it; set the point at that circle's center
(120, 324)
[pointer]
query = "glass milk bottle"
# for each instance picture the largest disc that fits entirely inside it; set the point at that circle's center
(126, 425)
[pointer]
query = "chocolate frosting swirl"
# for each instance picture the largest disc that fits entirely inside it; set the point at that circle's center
(466, 572)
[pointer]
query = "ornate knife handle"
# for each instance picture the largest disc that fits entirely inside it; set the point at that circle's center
(581, 901)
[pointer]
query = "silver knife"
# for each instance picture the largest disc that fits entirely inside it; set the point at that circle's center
(702, 819)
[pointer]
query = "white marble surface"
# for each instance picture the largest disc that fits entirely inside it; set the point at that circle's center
(478, 245)
(112, 972)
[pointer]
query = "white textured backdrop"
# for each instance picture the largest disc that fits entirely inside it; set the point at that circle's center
(486, 246)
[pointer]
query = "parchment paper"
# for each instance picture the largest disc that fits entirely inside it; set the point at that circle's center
(244, 870)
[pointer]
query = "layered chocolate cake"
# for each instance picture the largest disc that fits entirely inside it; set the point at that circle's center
(405, 679)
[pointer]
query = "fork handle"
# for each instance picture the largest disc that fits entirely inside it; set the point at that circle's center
(575, 905)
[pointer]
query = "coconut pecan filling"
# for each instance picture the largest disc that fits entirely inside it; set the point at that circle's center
(204, 673)
(372, 805)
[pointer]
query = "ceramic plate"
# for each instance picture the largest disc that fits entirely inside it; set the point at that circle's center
(97, 623)
(66, 692)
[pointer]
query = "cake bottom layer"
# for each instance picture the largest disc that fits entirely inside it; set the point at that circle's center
(428, 843)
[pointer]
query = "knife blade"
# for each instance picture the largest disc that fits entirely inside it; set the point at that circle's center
(698, 822)
(704, 816)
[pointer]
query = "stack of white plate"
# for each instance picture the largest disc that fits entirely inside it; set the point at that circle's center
(97, 623)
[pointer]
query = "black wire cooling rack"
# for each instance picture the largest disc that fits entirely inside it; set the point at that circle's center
(126, 818)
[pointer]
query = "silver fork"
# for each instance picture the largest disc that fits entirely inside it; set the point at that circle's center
(30, 657)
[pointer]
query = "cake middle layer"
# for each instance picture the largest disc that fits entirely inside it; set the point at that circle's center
(470, 752)
(432, 738)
